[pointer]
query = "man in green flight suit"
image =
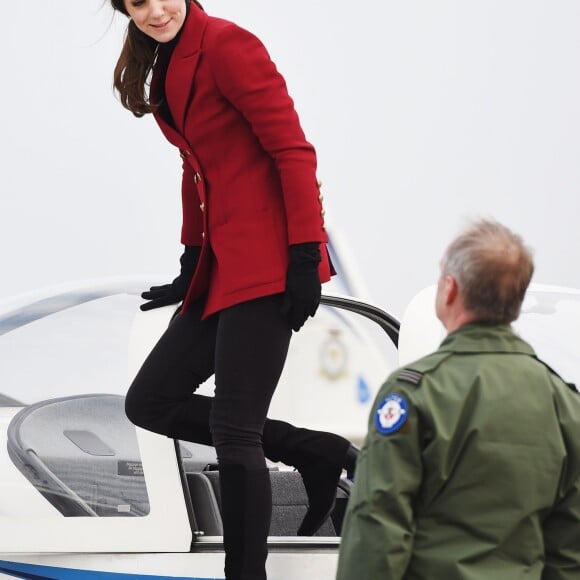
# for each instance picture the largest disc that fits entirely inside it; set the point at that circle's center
(471, 466)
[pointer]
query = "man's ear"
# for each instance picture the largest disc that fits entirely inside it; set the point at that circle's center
(451, 290)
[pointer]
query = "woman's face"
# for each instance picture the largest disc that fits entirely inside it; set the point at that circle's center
(159, 19)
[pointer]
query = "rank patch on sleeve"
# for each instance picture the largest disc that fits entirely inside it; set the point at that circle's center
(410, 376)
(391, 414)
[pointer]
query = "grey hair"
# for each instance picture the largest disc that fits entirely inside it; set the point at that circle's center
(493, 268)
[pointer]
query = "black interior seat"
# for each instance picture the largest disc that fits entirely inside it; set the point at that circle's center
(289, 503)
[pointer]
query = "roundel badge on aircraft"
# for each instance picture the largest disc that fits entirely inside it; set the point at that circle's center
(333, 356)
(391, 414)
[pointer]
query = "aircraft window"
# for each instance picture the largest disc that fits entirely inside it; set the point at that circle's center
(80, 454)
(60, 352)
(68, 452)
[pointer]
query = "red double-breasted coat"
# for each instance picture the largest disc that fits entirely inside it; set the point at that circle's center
(249, 186)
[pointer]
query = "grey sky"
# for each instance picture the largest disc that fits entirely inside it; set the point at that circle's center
(423, 114)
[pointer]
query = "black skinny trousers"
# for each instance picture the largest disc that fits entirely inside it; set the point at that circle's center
(246, 347)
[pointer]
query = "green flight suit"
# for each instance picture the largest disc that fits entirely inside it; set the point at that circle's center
(471, 471)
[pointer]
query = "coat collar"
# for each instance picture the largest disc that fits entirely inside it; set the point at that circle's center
(181, 70)
(478, 337)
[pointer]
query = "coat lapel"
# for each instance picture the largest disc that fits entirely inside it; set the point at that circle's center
(183, 64)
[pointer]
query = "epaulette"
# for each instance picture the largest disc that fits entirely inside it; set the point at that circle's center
(410, 376)
(571, 386)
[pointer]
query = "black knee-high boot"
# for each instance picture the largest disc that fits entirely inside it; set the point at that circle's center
(246, 501)
(320, 458)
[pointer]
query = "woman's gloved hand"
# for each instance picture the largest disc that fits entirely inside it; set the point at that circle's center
(303, 288)
(175, 292)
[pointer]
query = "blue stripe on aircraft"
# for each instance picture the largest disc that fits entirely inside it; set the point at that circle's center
(37, 572)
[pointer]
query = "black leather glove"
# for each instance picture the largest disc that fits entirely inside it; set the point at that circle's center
(175, 292)
(303, 286)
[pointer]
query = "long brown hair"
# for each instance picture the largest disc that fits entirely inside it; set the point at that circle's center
(134, 66)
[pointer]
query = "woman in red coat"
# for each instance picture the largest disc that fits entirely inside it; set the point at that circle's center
(251, 271)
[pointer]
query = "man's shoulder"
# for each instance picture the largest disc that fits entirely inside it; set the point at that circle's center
(556, 377)
(414, 372)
